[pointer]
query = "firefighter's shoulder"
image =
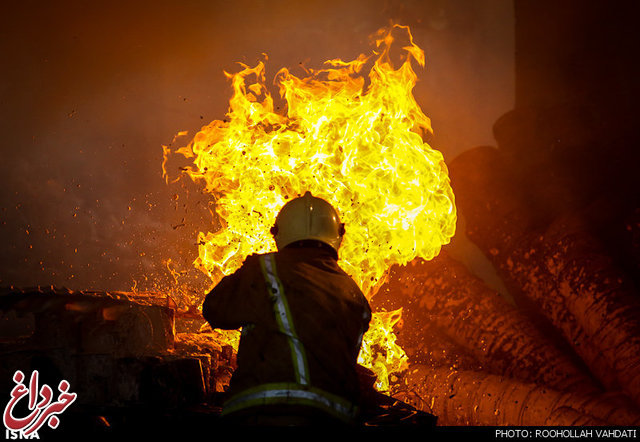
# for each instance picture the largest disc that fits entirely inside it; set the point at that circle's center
(253, 258)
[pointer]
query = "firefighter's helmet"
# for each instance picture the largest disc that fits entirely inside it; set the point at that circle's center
(308, 218)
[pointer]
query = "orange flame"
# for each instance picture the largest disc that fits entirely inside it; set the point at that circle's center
(359, 147)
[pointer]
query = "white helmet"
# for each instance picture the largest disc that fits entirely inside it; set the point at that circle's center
(308, 218)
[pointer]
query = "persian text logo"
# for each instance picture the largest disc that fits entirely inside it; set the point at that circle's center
(41, 407)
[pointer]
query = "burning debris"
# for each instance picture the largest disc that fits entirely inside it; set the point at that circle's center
(565, 354)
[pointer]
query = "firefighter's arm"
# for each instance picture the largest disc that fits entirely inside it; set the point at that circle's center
(221, 306)
(366, 313)
(364, 321)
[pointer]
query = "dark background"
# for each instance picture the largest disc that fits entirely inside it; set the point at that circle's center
(90, 91)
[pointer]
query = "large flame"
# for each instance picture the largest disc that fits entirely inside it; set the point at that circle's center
(358, 146)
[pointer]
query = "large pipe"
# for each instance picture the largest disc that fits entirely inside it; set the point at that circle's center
(561, 268)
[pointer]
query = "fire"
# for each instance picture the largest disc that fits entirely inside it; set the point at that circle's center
(357, 145)
(379, 352)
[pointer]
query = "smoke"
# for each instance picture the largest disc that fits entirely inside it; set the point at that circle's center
(92, 90)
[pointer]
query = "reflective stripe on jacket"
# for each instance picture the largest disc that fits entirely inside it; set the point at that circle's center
(292, 394)
(303, 319)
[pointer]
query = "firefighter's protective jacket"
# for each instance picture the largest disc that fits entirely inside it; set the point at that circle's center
(302, 320)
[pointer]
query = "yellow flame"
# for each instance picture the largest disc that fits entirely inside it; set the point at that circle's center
(358, 146)
(379, 352)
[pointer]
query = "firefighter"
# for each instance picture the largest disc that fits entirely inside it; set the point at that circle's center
(302, 320)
